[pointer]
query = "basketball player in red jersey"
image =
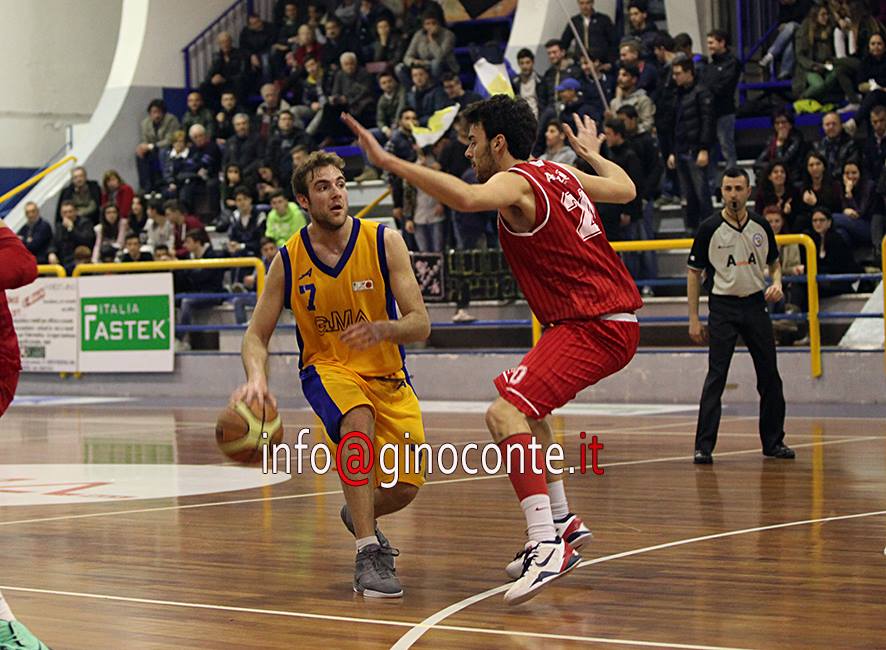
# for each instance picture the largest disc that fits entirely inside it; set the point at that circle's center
(575, 284)
(17, 268)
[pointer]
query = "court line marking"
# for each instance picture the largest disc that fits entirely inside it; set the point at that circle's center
(464, 479)
(408, 639)
(357, 619)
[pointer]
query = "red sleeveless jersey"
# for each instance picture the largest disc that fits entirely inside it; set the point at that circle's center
(565, 266)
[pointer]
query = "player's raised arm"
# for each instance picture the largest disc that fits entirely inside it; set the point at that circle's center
(613, 185)
(499, 192)
(254, 350)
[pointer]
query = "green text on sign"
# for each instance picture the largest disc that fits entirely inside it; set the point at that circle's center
(116, 323)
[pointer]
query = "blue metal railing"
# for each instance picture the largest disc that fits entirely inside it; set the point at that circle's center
(199, 51)
(754, 23)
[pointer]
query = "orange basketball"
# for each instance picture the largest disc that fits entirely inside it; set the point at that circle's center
(238, 431)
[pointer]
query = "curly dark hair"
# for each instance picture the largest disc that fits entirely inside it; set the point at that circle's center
(509, 117)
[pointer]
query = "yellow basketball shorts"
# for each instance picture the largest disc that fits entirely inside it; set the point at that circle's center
(333, 391)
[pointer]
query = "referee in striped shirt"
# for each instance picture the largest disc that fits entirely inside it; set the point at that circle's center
(732, 249)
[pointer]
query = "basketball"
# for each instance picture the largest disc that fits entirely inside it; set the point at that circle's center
(238, 430)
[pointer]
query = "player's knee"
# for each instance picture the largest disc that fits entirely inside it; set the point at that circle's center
(503, 419)
(404, 493)
(359, 419)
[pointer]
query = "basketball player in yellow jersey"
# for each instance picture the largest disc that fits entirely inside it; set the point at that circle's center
(344, 279)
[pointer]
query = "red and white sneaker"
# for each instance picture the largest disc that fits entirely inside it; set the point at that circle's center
(571, 528)
(544, 563)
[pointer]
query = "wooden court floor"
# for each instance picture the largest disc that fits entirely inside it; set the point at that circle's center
(747, 553)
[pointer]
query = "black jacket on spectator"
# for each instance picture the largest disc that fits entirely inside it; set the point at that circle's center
(645, 145)
(838, 152)
(872, 68)
(874, 155)
(207, 157)
(665, 100)
(553, 77)
(828, 195)
(580, 107)
(37, 239)
(249, 235)
(452, 159)
(204, 280)
(247, 152)
(256, 42)
(647, 37)
(278, 154)
(792, 152)
(765, 196)
(392, 51)
(836, 258)
(332, 50)
(402, 145)
(601, 37)
(626, 158)
(387, 109)
(82, 234)
(721, 77)
(865, 200)
(95, 193)
(176, 169)
(233, 69)
(357, 89)
(427, 101)
(225, 128)
(694, 124)
(365, 27)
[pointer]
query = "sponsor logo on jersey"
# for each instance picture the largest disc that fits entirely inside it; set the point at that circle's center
(758, 239)
(338, 321)
(362, 285)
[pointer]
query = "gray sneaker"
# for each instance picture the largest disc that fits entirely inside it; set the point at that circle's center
(373, 577)
(345, 515)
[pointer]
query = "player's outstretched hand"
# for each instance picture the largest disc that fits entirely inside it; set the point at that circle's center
(375, 153)
(584, 140)
(363, 335)
(255, 389)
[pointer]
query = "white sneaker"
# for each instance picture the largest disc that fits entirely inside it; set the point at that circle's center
(571, 528)
(767, 60)
(461, 316)
(182, 346)
(849, 108)
(544, 563)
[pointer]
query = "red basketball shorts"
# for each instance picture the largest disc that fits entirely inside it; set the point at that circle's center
(8, 384)
(569, 357)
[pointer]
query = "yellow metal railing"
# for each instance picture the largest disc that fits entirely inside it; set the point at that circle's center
(177, 265)
(36, 177)
(52, 269)
(811, 283)
(381, 197)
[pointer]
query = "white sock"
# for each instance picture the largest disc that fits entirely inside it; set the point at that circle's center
(539, 522)
(5, 613)
(363, 542)
(559, 505)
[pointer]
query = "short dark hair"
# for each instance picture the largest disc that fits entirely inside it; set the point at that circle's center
(131, 235)
(242, 190)
(683, 41)
(632, 70)
(198, 235)
(554, 41)
(639, 4)
(879, 111)
(156, 205)
(64, 204)
(406, 109)
(157, 103)
(719, 35)
(267, 240)
(161, 247)
(557, 124)
(317, 160)
(686, 65)
(663, 39)
(173, 204)
(617, 125)
(823, 209)
(525, 53)
(273, 195)
(735, 172)
(386, 73)
(511, 118)
(420, 66)
(628, 110)
(782, 112)
(449, 76)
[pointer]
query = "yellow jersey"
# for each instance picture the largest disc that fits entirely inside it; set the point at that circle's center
(326, 301)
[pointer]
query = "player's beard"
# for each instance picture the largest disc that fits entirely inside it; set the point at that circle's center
(484, 166)
(329, 222)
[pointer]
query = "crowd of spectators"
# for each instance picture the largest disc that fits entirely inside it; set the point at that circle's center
(276, 92)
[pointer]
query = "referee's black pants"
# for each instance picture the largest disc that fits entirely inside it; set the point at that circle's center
(729, 317)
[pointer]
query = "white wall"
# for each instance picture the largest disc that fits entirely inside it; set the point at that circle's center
(56, 56)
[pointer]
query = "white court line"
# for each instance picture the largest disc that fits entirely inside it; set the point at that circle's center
(357, 619)
(408, 639)
(285, 497)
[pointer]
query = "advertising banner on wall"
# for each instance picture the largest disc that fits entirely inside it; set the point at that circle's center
(127, 326)
(44, 314)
